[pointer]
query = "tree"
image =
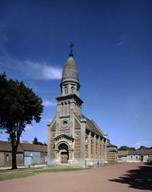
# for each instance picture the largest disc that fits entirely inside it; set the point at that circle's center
(142, 147)
(35, 141)
(124, 148)
(132, 149)
(19, 106)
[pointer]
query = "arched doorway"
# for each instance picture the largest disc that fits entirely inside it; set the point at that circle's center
(64, 153)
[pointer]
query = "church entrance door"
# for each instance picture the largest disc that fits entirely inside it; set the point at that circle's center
(64, 157)
(64, 153)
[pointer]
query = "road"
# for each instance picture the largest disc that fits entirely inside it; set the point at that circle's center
(127, 177)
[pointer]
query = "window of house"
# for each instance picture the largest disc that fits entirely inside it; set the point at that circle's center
(7, 157)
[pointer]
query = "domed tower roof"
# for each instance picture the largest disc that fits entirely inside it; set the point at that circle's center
(70, 71)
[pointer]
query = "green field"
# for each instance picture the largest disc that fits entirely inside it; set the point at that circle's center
(19, 173)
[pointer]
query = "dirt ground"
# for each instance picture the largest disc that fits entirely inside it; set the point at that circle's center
(127, 177)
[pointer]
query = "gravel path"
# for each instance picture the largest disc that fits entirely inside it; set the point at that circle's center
(127, 177)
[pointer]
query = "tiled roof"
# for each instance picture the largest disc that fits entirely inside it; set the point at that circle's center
(6, 147)
(33, 147)
(140, 152)
(122, 153)
(111, 145)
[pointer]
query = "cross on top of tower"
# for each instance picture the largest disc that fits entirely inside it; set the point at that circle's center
(71, 46)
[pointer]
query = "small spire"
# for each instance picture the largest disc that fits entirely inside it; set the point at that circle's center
(71, 46)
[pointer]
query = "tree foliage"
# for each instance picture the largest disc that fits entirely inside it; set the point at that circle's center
(35, 141)
(19, 106)
(124, 148)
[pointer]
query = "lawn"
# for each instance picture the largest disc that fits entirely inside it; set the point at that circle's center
(19, 173)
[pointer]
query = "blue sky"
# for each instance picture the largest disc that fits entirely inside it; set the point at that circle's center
(113, 45)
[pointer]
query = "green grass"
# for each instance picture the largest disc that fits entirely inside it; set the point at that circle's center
(19, 173)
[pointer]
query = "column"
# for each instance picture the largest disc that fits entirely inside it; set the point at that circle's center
(94, 147)
(98, 147)
(89, 145)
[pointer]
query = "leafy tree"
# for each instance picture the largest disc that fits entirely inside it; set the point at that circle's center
(19, 106)
(142, 147)
(124, 148)
(35, 141)
(132, 149)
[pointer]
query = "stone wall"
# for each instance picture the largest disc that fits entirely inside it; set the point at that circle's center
(112, 154)
(6, 159)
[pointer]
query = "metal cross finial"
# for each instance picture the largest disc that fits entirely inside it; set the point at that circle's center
(71, 45)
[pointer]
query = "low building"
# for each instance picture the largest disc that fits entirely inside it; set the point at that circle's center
(112, 153)
(6, 155)
(34, 154)
(122, 156)
(139, 155)
(27, 154)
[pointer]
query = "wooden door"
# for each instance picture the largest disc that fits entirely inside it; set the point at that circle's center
(64, 157)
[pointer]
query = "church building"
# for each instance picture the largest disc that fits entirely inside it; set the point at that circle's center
(73, 139)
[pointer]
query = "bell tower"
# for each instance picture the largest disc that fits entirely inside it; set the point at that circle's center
(69, 100)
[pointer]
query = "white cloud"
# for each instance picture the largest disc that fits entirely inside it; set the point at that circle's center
(143, 143)
(29, 69)
(28, 128)
(42, 71)
(118, 44)
(47, 103)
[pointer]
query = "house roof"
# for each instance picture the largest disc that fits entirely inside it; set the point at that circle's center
(122, 153)
(7, 147)
(93, 127)
(140, 152)
(33, 147)
(111, 145)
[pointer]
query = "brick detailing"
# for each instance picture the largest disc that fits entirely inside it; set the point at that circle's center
(86, 145)
(101, 156)
(112, 154)
(77, 135)
(76, 124)
(92, 144)
(53, 129)
(97, 155)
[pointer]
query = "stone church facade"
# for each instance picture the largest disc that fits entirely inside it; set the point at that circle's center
(73, 139)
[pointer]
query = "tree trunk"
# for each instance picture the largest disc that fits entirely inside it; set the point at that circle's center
(14, 151)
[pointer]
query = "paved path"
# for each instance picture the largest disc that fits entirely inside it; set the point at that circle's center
(128, 177)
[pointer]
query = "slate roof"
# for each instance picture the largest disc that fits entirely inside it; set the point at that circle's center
(141, 152)
(93, 127)
(70, 71)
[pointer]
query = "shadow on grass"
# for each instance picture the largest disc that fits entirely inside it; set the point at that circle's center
(137, 178)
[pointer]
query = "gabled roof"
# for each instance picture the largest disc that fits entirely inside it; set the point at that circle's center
(7, 147)
(140, 152)
(93, 127)
(33, 147)
(111, 145)
(122, 153)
